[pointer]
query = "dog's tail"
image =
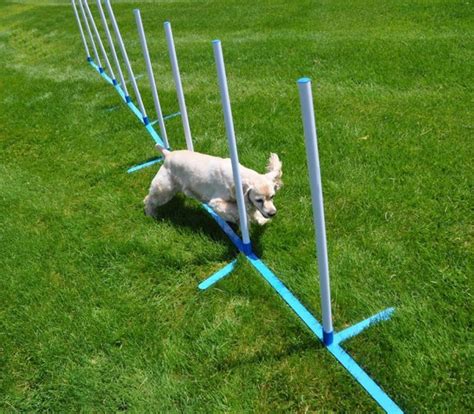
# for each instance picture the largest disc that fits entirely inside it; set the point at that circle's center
(162, 150)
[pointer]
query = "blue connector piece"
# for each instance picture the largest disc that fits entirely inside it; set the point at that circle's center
(114, 81)
(101, 70)
(128, 99)
(89, 59)
(328, 338)
(145, 120)
(247, 249)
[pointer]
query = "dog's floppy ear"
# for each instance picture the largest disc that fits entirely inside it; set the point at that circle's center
(274, 171)
(246, 187)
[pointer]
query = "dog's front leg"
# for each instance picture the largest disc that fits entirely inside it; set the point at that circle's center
(162, 190)
(226, 209)
(258, 218)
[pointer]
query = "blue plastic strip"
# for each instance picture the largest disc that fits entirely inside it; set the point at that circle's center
(102, 72)
(154, 135)
(218, 275)
(170, 116)
(226, 228)
(136, 111)
(363, 379)
(359, 327)
(107, 77)
(144, 165)
(92, 63)
(122, 94)
(165, 118)
(141, 75)
(308, 319)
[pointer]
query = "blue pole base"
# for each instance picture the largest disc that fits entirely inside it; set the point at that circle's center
(328, 338)
(247, 249)
(166, 117)
(89, 59)
(114, 82)
(145, 120)
(128, 99)
(356, 329)
(101, 70)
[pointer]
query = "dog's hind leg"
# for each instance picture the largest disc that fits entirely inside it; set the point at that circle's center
(162, 190)
(226, 209)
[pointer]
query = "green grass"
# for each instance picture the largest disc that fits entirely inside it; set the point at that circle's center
(99, 307)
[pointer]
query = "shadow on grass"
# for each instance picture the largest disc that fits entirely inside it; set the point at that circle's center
(191, 216)
(255, 234)
(307, 344)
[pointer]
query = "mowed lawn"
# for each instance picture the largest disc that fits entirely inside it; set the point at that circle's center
(99, 306)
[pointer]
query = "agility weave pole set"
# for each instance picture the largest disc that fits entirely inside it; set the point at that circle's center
(324, 332)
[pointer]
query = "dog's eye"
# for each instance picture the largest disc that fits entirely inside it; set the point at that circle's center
(259, 200)
(271, 197)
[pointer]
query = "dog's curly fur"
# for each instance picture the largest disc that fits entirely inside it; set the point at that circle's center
(209, 180)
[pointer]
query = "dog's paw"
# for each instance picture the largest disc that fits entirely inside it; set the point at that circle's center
(149, 211)
(261, 221)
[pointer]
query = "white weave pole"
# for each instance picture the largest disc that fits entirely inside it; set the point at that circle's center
(112, 49)
(151, 77)
(73, 2)
(126, 60)
(99, 40)
(96, 55)
(179, 86)
(311, 138)
(229, 126)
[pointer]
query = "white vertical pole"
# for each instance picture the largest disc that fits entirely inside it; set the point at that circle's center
(96, 55)
(99, 40)
(127, 62)
(73, 2)
(311, 138)
(179, 86)
(112, 49)
(151, 77)
(229, 125)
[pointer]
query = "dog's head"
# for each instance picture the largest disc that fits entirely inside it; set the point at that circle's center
(261, 192)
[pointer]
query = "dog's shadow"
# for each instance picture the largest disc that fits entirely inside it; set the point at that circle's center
(189, 214)
(255, 235)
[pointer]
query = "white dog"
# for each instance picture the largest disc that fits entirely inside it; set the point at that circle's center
(209, 180)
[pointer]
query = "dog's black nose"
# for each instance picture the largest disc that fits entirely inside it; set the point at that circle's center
(272, 214)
